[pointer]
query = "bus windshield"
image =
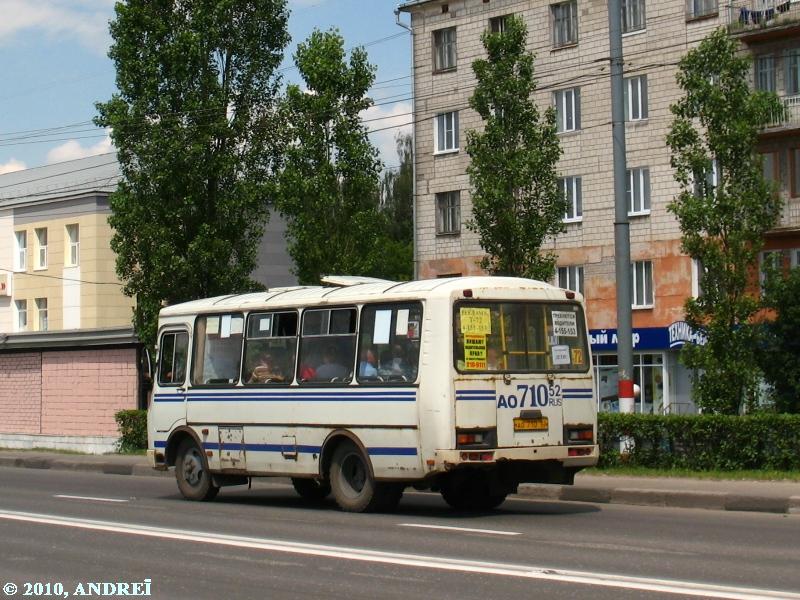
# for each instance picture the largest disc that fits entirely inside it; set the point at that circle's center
(519, 337)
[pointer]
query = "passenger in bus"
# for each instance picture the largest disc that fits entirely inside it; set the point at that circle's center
(266, 370)
(493, 360)
(367, 367)
(331, 367)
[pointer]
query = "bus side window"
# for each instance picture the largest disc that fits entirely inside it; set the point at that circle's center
(389, 340)
(270, 348)
(172, 358)
(327, 346)
(218, 347)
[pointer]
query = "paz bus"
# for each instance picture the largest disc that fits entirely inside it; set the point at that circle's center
(363, 387)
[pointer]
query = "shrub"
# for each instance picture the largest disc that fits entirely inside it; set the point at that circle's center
(133, 430)
(701, 442)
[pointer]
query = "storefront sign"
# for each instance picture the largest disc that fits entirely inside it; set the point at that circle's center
(680, 332)
(648, 338)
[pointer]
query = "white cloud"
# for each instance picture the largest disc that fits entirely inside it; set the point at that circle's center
(390, 119)
(72, 150)
(84, 21)
(12, 165)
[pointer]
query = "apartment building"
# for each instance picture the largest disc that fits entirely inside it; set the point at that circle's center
(570, 39)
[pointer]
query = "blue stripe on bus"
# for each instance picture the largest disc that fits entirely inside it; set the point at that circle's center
(484, 395)
(160, 444)
(298, 397)
(376, 451)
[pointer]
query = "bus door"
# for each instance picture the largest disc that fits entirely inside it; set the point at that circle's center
(169, 393)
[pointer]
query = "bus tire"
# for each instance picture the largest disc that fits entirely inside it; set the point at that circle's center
(311, 489)
(191, 472)
(464, 491)
(354, 488)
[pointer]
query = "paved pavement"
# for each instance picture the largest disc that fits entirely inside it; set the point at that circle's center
(744, 495)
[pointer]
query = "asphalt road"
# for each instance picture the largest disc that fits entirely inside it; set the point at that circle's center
(80, 528)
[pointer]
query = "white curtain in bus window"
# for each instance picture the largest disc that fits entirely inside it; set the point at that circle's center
(270, 348)
(218, 347)
(389, 343)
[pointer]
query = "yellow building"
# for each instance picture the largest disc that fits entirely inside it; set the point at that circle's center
(56, 241)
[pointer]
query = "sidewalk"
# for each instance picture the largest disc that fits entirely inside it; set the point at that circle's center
(757, 496)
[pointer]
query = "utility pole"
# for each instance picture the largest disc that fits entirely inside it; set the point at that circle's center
(622, 240)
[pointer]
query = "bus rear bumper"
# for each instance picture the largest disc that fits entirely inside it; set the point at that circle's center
(569, 456)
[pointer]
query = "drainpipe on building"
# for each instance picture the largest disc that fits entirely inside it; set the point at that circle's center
(622, 242)
(413, 145)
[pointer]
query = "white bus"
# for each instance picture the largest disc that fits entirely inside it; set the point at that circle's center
(467, 386)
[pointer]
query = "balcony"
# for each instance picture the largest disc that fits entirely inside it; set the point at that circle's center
(789, 122)
(761, 20)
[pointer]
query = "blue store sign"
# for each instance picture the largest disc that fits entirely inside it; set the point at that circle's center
(648, 338)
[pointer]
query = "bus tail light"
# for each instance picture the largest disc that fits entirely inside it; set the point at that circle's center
(478, 456)
(475, 438)
(579, 452)
(579, 435)
(467, 439)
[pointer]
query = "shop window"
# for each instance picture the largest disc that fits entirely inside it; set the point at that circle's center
(388, 347)
(218, 349)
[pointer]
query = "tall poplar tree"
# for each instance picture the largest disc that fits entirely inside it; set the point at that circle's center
(724, 209)
(329, 186)
(194, 123)
(517, 202)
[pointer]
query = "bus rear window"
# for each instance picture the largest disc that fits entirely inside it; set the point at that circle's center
(519, 337)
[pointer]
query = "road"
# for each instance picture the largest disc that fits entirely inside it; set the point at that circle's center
(80, 528)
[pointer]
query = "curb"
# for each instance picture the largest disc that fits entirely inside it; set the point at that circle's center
(594, 495)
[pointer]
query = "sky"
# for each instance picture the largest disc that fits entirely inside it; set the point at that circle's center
(54, 67)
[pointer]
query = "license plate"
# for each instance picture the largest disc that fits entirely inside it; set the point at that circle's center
(540, 424)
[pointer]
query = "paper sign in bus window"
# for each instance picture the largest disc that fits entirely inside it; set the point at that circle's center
(401, 328)
(577, 356)
(475, 352)
(560, 355)
(237, 325)
(225, 327)
(212, 326)
(564, 323)
(264, 323)
(476, 321)
(383, 325)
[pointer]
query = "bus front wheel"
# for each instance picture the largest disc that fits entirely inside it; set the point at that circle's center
(353, 486)
(191, 472)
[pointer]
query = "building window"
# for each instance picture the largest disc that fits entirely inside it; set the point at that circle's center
(444, 49)
(792, 61)
(642, 284)
(571, 278)
(636, 98)
(769, 260)
(72, 250)
(632, 15)
(568, 109)
(41, 248)
(794, 167)
(20, 250)
(22, 314)
(41, 311)
(446, 132)
(769, 166)
(498, 24)
(698, 273)
(701, 8)
(795, 258)
(448, 213)
(704, 183)
(638, 191)
(764, 78)
(565, 23)
(571, 188)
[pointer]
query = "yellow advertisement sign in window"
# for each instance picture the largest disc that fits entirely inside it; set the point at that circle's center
(475, 352)
(475, 321)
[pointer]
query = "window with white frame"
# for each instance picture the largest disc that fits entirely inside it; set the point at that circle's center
(571, 188)
(22, 314)
(701, 8)
(568, 109)
(20, 250)
(698, 273)
(633, 18)
(72, 250)
(448, 213)
(764, 78)
(41, 312)
(498, 24)
(446, 132)
(444, 49)
(705, 182)
(791, 60)
(769, 260)
(571, 278)
(565, 23)
(636, 98)
(41, 247)
(638, 191)
(642, 284)
(795, 258)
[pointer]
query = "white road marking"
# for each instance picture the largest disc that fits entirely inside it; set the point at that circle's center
(687, 588)
(88, 498)
(466, 529)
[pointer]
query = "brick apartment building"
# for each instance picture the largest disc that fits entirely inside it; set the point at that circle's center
(571, 42)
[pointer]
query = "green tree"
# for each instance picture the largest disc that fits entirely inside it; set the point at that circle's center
(516, 198)
(194, 125)
(724, 208)
(397, 197)
(330, 185)
(779, 347)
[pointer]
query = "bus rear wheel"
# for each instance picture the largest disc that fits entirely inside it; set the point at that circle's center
(354, 488)
(311, 489)
(191, 473)
(470, 491)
